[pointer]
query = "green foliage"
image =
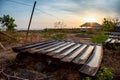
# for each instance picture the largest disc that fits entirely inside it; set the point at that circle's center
(114, 46)
(105, 74)
(99, 38)
(109, 24)
(117, 47)
(46, 35)
(119, 38)
(87, 78)
(59, 36)
(50, 34)
(8, 22)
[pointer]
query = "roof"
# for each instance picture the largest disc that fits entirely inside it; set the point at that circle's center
(91, 24)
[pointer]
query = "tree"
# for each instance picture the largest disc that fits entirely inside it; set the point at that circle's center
(8, 22)
(59, 25)
(109, 24)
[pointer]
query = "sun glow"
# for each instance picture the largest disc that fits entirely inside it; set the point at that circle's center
(91, 19)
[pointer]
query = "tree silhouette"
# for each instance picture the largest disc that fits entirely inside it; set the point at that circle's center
(59, 25)
(8, 22)
(109, 24)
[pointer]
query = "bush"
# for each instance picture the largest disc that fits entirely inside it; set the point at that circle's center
(99, 38)
(87, 78)
(109, 24)
(105, 74)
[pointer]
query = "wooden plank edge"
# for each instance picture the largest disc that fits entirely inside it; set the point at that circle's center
(91, 70)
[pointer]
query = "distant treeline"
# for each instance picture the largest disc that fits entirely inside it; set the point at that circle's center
(54, 30)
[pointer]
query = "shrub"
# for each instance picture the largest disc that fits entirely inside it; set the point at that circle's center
(105, 74)
(87, 78)
(99, 38)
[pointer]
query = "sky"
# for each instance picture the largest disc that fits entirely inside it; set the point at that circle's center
(72, 13)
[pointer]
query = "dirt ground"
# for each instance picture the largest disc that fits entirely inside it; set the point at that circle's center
(33, 68)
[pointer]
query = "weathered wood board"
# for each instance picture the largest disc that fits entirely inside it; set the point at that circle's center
(88, 55)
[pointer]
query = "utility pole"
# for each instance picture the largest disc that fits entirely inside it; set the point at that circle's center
(30, 19)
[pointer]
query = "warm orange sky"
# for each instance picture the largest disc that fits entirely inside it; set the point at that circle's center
(72, 12)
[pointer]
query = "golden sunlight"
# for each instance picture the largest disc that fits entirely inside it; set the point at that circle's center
(91, 19)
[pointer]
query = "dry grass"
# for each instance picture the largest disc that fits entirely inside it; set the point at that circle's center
(111, 58)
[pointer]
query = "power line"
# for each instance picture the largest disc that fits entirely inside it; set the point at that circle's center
(46, 13)
(35, 8)
(19, 2)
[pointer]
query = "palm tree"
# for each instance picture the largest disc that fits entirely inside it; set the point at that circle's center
(8, 22)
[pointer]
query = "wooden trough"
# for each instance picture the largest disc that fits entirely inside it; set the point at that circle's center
(87, 55)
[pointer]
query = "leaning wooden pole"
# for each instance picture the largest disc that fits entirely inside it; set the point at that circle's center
(2, 46)
(30, 19)
(8, 35)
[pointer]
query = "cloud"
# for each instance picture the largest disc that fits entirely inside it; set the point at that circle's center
(71, 11)
(117, 7)
(81, 6)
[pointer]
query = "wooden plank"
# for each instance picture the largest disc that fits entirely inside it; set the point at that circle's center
(38, 48)
(84, 56)
(45, 45)
(61, 45)
(30, 45)
(17, 49)
(62, 48)
(32, 49)
(68, 51)
(113, 41)
(108, 40)
(118, 41)
(43, 50)
(113, 36)
(113, 33)
(58, 47)
(92, 65)
(74, 54)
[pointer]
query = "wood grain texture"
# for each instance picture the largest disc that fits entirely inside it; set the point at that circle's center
(92, 65)
(89, 55)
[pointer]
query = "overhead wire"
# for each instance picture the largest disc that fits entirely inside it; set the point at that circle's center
(35, 8)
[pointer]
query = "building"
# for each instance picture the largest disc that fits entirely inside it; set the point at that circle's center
(91, 25)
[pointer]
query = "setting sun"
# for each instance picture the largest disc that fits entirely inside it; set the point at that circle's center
(91, 19)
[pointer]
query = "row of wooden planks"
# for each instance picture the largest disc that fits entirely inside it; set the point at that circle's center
(89, 55)
(113, 33)
(112, 41)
